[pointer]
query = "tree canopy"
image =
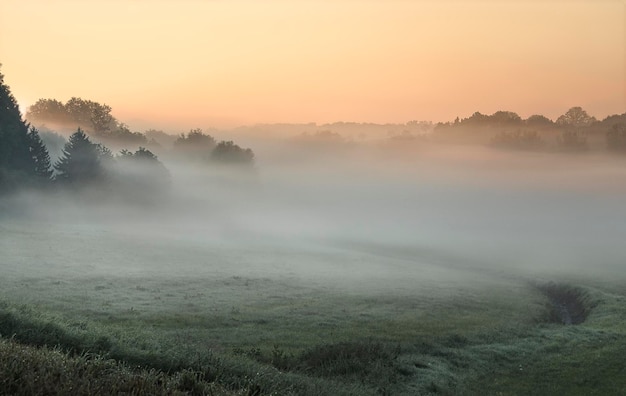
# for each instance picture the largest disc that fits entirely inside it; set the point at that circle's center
(85, 114)
(575, 117)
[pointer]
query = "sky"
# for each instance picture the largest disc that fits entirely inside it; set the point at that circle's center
(192, 63)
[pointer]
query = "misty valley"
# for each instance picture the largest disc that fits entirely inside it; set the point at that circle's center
(479, 256)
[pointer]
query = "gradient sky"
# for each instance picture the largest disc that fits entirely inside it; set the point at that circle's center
(226, 63)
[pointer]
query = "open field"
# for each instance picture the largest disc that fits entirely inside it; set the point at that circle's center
(453, 274)
(361, 321)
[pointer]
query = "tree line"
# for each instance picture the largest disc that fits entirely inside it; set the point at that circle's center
(25, 160)
(574, 131)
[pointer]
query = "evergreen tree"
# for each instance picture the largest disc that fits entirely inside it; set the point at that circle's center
(41, 157)
(80, 162)
(16, 164)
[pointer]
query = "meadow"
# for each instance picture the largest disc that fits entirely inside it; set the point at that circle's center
(438, 286)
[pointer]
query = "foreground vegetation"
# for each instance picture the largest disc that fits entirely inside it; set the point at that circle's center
(504, 340)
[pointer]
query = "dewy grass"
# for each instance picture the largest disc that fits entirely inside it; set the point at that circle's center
(311, 342)
(26, 370)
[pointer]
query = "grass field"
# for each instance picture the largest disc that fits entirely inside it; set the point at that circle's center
(265, 319)
(479, 274)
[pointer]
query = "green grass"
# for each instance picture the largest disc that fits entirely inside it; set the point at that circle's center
(27, 370)
(281, 336)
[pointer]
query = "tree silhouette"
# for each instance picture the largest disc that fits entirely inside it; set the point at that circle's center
(48, 110)
(91, 114)
(80, 162)
(76, 112)
(503, 118)
(93, 117)
(230, 153)
(538, 120)
(575, 117)
(41, 157)
(16, 163)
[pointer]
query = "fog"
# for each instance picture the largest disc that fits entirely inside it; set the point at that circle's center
(353, 216)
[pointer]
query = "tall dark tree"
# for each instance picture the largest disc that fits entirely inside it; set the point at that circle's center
(16, 164)
(40, 156)
(80, 162)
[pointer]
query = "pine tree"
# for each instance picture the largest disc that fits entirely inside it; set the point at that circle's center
(16, 164)
(41, 157)
(80, 162)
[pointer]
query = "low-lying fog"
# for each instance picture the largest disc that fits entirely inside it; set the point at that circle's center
(352, 215)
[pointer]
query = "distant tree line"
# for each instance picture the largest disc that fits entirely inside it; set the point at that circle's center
(574, 131)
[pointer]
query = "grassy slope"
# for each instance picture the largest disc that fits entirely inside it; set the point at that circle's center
(478, 341)
(587, 359)
(27, 370)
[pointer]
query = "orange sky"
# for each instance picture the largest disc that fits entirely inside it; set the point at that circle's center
(196, 63)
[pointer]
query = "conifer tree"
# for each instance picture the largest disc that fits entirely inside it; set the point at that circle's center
(80, 162)
(16, 164)
(39, 154)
